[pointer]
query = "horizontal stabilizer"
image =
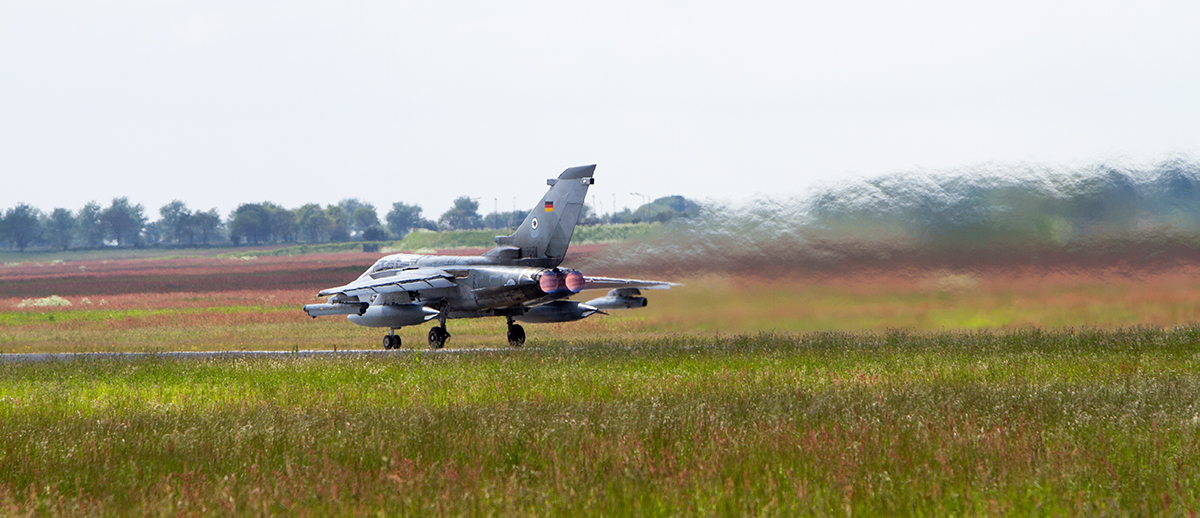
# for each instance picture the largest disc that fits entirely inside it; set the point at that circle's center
(620, 298)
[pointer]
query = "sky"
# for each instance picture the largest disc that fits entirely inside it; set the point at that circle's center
(219, 103)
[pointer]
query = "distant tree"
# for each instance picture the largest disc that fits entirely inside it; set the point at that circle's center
(679, 205)
(176, 223)
(464, 215)
(339, 231)
(504, 220)
(664, 209)
(123, 221)
(152, 233)
(313, 222)
(91, 228)
(61, 226)
(624, 216)
(375, 233)
(588, 216)
(351, 205)
(496, 220)
(282, 223)
(207, 224)
(365, 218)
(21, 226)
(403, 218)
(250, 222)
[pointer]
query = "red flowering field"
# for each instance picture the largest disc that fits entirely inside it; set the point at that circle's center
(182, 275)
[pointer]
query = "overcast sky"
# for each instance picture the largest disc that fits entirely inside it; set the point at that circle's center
(221, 103)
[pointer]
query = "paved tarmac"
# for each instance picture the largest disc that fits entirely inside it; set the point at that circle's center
(65, 357)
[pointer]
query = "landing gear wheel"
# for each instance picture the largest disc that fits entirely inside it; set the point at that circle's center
(391, 342)
(516, 335)
(437, 337)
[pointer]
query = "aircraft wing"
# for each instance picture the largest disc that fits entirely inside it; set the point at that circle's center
(609, 283)
(414, 279)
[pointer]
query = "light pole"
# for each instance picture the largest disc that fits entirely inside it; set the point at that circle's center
(644, 197)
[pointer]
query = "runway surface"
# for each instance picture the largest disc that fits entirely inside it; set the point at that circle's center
(64, 357)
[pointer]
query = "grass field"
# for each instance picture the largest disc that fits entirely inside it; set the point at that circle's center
(946, 393)
(1028, 422)
(221, 303)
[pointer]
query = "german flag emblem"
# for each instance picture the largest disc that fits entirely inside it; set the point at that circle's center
(549, 206)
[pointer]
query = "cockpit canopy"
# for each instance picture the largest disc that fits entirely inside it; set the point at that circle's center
(392, 262)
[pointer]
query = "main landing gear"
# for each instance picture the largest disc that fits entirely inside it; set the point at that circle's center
(516, 333)
(390, 340)
(438, 336)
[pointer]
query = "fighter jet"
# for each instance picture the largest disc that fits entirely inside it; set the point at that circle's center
(520, 279)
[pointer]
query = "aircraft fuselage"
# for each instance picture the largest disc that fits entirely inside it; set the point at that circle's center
(519, 279)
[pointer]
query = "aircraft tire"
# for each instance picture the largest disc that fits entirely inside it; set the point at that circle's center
(437, 338)
(391, 342)
(516, 335)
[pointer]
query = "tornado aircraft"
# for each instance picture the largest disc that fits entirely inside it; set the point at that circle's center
(519, 280)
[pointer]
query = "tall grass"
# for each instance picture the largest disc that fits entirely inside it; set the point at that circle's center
(1078, 422)
(941, 301)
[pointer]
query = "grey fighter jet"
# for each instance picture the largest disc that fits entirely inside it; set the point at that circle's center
(519, 280)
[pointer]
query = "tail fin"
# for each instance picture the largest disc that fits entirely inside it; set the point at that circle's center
(543, 238)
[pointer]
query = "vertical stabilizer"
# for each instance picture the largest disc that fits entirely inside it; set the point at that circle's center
(543, 238)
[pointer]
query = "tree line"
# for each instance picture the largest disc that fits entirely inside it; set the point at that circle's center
(125, 224)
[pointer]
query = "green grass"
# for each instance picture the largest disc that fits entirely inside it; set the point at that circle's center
(426, 240)
(1083, 422)
(729, 305)
(613, 233)
(8, 319)
(267, 326)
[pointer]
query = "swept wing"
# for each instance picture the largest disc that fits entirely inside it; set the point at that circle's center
(412, 279)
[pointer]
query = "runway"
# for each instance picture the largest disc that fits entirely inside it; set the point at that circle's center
(66, 357)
